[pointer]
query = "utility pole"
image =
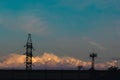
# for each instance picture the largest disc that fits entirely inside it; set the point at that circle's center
(29, 49)
(93, 55)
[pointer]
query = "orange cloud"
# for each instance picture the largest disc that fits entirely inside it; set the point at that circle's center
(46, 61)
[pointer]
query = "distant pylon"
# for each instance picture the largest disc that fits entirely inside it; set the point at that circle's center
(29, 48)
(93, 55)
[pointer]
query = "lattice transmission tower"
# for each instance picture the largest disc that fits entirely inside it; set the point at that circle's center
(29, 55)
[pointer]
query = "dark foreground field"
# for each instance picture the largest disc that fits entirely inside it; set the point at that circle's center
(59, 75)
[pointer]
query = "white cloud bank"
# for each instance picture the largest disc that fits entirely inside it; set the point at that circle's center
(47, 61)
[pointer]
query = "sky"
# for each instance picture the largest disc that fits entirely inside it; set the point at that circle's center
(62, 27)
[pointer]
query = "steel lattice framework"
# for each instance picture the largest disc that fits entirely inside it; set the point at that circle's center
(29, 48)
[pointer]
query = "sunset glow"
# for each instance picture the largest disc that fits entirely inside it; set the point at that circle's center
(47, 61)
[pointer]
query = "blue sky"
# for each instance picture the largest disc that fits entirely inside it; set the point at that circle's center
(63, 27)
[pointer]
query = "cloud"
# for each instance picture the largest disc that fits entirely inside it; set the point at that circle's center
(93, 43)
(33, 24)
(26, 23)
(99, 46)
(47, 61)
